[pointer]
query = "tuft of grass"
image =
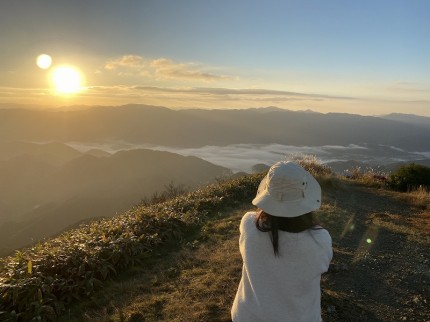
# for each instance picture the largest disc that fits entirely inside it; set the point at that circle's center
(419, 197)
(312, 164)
(367, 176)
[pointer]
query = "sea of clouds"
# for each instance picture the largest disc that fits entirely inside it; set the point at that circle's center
(242, 157)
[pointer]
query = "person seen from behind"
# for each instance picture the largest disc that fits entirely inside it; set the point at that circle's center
(284, 252)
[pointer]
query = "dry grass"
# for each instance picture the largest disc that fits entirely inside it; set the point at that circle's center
(367, 176)
(311, 163)
(419, 197)
(419, 224)
(205, 282)
(193, 283)
(416, 227)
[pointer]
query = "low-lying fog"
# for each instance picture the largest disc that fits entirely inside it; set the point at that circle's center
(241, 157)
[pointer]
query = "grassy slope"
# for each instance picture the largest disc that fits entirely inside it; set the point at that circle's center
(379, 271)
(191, 282)
(41, 282)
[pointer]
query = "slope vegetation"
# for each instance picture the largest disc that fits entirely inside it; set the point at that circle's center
(187, 263)
(379, 271)
(42, 281)
(39, 199)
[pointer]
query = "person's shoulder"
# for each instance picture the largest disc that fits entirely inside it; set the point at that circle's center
(247, 219)
(323, 238)
(322, 234)
(250, 215)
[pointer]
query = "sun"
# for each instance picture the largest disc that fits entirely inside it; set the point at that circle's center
(67, 79)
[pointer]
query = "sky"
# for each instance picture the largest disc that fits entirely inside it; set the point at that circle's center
(368, 57)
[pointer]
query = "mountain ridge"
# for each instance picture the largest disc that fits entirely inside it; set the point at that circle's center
(198, 127)
(40, 199)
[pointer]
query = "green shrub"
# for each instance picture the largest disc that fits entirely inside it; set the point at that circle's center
(410, 177)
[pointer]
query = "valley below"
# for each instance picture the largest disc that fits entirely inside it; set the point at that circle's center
(61, 168)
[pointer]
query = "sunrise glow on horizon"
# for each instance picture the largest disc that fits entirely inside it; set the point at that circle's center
(365, 58)
(67, 79)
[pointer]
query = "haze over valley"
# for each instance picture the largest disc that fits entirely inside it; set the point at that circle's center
(243, 157)
(59, 168)
(46, 188)
(142, 124)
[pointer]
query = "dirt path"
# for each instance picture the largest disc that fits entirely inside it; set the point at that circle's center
(380, 270)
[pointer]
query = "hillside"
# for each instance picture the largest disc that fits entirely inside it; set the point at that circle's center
(39, 199)
(179, 260)
(197, 127)
(379, 271)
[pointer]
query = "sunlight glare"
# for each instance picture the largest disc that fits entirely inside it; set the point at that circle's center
(67, 79)
(44, 61)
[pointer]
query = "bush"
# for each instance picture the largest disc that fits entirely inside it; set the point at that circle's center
(410, 177)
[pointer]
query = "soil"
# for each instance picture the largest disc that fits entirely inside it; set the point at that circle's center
(381, 265)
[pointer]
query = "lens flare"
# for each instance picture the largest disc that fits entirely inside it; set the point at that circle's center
(367, 243)
(44, 61)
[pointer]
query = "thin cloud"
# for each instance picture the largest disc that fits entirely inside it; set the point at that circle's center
(131, 61)
(18, 92)
(262, 93)
(167, 69)
(407, 87)
(161, 69)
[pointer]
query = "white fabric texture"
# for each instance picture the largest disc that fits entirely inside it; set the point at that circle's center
(280, 288)
(288, 190)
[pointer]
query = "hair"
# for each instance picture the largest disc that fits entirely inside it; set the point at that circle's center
(272, 224)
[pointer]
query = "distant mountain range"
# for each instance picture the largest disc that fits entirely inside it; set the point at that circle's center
(198, 127)
(342, 167)
(408, 118)
(45, 188)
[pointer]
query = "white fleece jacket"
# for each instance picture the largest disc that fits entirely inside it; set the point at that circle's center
(285, 287)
